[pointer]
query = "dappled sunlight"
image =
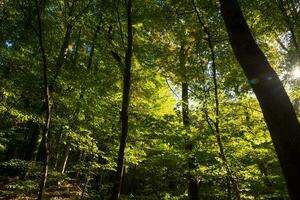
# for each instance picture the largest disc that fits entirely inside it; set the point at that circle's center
(295, 74)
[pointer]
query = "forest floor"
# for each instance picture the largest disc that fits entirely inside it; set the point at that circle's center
(16, 189)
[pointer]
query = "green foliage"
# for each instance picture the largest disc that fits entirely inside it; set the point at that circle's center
(19, 188)
(86, 96)
(14, 168)
(21, 168)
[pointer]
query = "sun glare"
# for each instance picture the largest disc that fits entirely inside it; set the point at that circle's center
(296, 73)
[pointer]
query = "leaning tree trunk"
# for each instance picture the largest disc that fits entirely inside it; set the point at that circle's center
(66, 157)
(277, 109)
(125, 103)
(47, 104)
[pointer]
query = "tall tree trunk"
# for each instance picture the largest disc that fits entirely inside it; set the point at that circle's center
(193, 192)
(193, 184)
(276, 106)
(125, 103)
(230, 178)
(47, 104)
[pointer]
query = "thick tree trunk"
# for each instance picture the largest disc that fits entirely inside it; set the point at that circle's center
(193, 184)
(125, 103)
(275, 104)
(47, 104)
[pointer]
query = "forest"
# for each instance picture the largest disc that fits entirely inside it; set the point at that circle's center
(150, 99)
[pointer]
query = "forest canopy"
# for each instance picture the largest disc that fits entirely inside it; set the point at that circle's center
(149, 99)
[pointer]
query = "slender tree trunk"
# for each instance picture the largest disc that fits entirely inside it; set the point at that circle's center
(276, 106)
(230, 179)
(193, 192)
(67, 151)
(56, 160)
(193, 184)
(47, 104)
(58, 65)
(125, 103)
(57, 145)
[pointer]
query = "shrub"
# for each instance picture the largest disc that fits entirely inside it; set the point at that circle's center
(14, 167)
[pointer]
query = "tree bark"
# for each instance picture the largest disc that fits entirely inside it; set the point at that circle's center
(47, 104)
(125, 103)
(276, 106)
(66, 156)
(193, 192)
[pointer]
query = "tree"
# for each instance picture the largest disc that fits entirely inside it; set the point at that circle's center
(47, 105)
(193, 123)
(193, 190)
(125, 104)
(273, 99)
